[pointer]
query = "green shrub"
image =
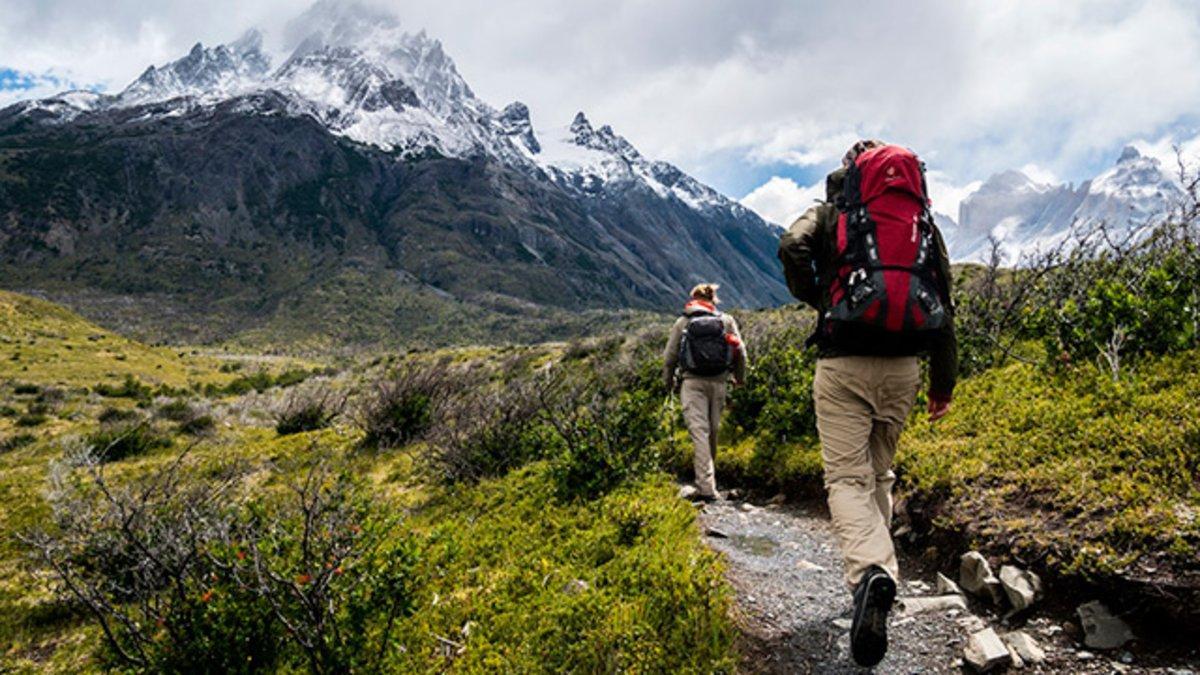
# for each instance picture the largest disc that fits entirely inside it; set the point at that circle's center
(51, 398)
(112, 415)
(606, 441)
(404, 406)
(178, 410)
(130, 387)
(31, 419)
(26, 389)
(776, 401)
(116, 442)
(289, 378)
(8, 411)
(199, 425)
(16, 442)
(1110, 317)
(308, 411)
(259, 381)
(38, 408)
(183, 578)
(487, 433)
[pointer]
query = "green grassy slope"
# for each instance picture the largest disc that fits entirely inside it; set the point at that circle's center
(1101, 477)
(45, 343)
(518, 578)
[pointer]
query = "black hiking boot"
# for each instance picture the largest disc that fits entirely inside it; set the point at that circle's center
(873, 598)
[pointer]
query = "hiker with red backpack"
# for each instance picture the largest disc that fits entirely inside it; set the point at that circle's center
(704, 352)
(872, 263)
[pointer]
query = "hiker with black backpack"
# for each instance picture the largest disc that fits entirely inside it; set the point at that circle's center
(704, 353)
(872, 263)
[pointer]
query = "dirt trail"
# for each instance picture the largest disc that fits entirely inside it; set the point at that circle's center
(794, 607)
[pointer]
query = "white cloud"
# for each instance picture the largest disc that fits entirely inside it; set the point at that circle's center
(946, 194)
(1040, 174)
(782, 200)
(1164, 150)
(16, 85)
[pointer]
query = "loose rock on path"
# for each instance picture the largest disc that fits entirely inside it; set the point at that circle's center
(794, 607)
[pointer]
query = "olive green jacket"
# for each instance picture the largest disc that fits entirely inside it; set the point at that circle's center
(807, 251)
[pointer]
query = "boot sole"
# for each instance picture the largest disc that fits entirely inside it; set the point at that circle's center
(868, 636)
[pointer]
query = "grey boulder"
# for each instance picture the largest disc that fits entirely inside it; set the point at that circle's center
(1101, 628)
(975, 576)
(1025, 647)
(1022, 587)
(985, 651)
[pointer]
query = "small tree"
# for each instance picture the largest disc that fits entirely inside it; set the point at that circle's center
(308, 410)
(183, 576)
(404, 406)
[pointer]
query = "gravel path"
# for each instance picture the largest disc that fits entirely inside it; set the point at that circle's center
(794, 607)
(784, 565)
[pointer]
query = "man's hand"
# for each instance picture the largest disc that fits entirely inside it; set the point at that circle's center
(938, 407)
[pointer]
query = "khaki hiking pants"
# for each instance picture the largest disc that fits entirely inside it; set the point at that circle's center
(703, 399)
(862, 403)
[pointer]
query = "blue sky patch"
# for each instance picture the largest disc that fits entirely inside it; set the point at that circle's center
(19, 80)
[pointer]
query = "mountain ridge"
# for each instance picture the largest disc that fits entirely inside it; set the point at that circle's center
(1025, 216)
(237, 188)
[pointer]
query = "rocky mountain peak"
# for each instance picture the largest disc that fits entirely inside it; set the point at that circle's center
(515, 123)
(1025, 215)
(603, 139)
(580, 126)
(204, 72)
(416, 58)
(250, 42)
(344, 78)
(365, 76)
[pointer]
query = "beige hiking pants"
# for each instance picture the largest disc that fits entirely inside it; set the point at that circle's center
(861, 404)
(703, 399)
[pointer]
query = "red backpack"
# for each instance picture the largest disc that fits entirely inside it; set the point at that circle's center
(884, 275)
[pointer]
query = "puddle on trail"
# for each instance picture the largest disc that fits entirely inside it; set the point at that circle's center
(755, 544)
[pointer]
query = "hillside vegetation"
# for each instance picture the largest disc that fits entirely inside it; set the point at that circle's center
(510, 508)
(47, 344)
(442, 532)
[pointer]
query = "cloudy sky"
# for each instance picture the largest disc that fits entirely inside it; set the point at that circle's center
(756, 97)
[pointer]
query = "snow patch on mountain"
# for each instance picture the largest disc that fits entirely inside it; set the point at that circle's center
(363, 75)
(1027, 216)
(588, 159)
(207, 73)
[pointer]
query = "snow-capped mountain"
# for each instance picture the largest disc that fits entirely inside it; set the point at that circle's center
(1026, 216)
(363, 76)
(208, 74)
(235, 177)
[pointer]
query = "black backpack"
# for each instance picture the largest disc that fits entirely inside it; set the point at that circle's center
(704, 351)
